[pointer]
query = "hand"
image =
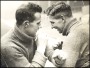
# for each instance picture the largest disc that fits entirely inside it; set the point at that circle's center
(58, 57)
(52, 44)
(41, 42)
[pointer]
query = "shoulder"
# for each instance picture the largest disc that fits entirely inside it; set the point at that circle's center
(77, 37)
(6, 37)
(9, 48)
(81, 30)
(7, 41)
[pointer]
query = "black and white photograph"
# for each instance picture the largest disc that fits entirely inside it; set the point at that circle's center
(45, 33)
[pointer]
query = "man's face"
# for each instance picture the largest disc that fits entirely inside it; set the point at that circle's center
(57, 23)
(34, 26)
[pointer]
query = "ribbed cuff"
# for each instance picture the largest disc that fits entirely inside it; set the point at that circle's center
(49, 55)
(39, 58)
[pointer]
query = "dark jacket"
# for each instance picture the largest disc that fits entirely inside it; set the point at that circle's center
(19, 50)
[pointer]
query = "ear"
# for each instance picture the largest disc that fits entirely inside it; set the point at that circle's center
(63, 18)
(26, 23)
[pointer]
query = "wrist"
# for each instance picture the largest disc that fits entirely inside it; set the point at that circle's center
(41, 50)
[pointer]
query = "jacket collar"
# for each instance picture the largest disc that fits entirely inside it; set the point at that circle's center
(68, 26)
(22, 36)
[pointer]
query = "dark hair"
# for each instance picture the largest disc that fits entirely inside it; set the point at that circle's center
(26, 12)
(60, 8)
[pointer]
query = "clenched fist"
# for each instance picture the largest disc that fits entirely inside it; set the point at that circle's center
(59, 57)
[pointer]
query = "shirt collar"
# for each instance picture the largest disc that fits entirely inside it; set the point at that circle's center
(68, 27)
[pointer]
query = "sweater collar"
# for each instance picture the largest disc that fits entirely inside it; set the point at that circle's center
(22, 36)
(67, 27)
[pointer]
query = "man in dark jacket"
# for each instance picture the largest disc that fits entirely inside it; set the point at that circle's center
(17, 46)
(76, 43)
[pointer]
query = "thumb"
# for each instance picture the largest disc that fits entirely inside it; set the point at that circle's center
(56, 53)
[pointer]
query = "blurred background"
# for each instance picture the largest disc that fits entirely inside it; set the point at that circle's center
(80, 11)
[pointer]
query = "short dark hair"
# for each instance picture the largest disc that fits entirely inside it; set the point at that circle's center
(58, 8)
(26, 12)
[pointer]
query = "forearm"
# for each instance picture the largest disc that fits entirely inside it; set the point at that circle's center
(15, 58)
(71, 59)
(39, 60)
(49, 54)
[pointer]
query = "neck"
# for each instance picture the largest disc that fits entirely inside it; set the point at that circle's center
(20, 27)
(21, 35)
(68, 24)
(68, 20)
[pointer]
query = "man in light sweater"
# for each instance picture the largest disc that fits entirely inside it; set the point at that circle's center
(75, 44)
(18, 46)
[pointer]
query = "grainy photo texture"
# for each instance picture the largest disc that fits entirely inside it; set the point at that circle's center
(45, 34)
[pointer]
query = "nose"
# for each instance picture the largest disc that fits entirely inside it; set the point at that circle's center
(52, 25)
(40, 26)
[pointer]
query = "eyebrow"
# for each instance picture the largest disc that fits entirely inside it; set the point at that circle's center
(39, 21)
(52, 21)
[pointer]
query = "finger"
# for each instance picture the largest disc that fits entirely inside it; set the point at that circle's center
(59, 57)
(56, 53)
(58, 61)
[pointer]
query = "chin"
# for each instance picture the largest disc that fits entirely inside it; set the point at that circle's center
(59, 30)
(33, 35)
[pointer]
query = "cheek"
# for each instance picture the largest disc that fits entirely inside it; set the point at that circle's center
(34, 28)
(58, 25)
(61, 25)
(31, 30)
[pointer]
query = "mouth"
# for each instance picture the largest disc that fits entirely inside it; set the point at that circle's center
(57, 29)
